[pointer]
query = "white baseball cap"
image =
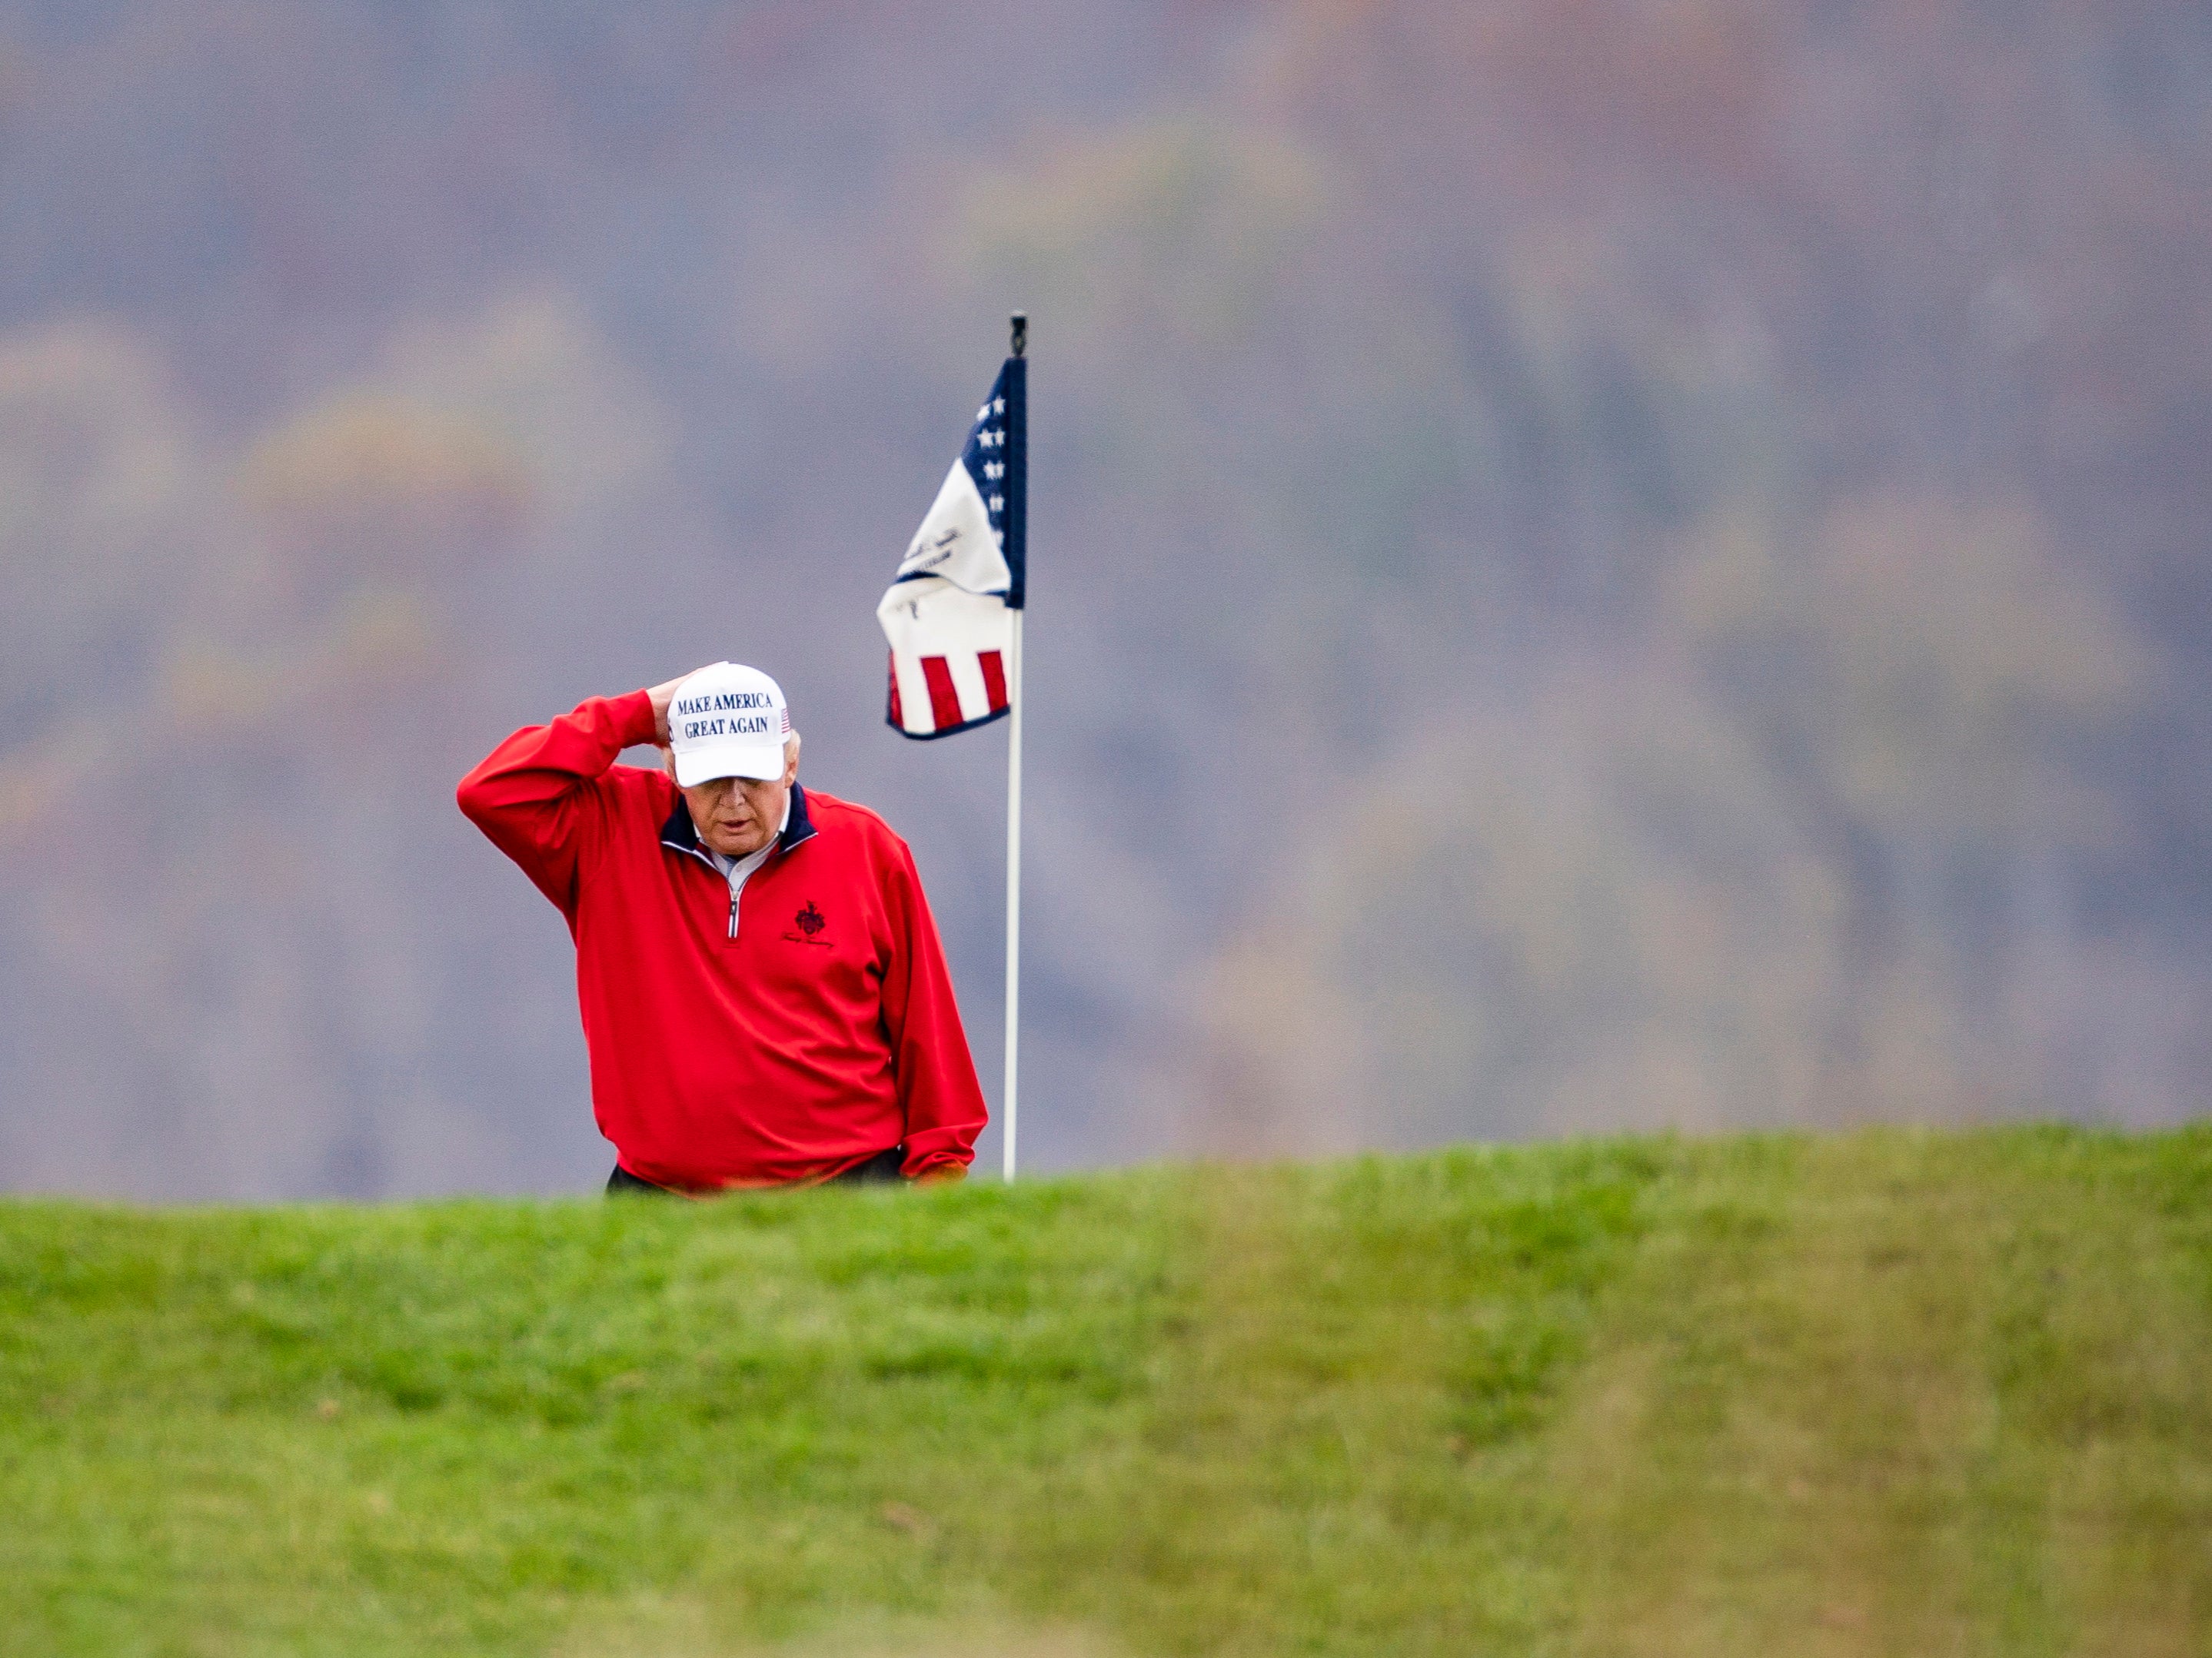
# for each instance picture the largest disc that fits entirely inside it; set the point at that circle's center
(727, 720)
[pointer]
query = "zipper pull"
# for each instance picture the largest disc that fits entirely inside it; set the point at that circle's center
(734, 915)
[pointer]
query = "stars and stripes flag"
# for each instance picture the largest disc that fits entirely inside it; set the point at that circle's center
(953, 617)
(949, 613)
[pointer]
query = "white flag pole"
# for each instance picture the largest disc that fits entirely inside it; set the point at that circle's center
(1020, 324)
(1014, 894)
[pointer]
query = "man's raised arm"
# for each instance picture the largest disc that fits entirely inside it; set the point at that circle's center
(533, 794)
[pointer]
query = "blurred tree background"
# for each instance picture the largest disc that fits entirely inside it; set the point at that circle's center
(1611, 563)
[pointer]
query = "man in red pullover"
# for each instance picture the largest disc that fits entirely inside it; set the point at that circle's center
(765, 1000)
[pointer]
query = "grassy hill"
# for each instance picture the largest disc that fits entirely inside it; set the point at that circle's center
(1891, 1392)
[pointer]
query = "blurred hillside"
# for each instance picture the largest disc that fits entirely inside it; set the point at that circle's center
(1606, 563)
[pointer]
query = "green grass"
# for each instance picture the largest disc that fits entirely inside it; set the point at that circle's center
(1893, 1392)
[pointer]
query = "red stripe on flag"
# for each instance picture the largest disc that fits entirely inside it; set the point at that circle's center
(943, 701)
(898, 715)
(994, 679)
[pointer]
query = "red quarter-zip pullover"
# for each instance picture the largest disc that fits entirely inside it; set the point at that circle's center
(823, 1033)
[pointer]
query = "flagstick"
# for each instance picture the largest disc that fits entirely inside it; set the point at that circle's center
(1017, 494)
(1014, 892)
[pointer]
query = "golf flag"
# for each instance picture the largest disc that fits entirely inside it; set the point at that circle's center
(949, 613)
(953, 617)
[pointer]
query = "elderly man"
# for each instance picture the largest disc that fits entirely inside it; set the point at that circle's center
(764, 997)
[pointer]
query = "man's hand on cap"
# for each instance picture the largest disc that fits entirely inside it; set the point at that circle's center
(662, 696)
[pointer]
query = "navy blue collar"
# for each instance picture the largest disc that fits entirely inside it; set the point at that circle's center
(680, 834)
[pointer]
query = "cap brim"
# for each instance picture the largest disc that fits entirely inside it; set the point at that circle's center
(732, 760)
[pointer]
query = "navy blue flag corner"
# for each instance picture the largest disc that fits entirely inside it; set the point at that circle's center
(949, 614)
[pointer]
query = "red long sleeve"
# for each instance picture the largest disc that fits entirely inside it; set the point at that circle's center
(818, 1031)
(536, 794)
(936, 1086)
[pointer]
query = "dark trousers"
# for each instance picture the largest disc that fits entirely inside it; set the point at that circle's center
(878, 1170)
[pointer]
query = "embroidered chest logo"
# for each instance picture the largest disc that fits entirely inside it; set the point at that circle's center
(809, 922)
